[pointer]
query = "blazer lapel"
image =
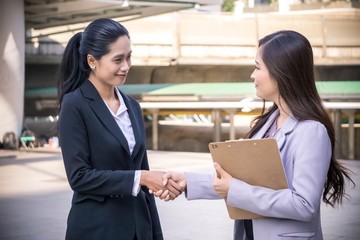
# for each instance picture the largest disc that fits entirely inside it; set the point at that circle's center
(102, 112)
(287, 128)
(263, 130)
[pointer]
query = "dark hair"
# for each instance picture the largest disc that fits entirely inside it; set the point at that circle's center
(288, 57)
(95, 40)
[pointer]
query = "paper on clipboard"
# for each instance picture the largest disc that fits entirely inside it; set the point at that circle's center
(254, 161)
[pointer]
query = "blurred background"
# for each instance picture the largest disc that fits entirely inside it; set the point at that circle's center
(192, 62)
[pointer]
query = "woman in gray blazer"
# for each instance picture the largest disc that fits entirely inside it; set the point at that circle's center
(284, 74)
(102, 139)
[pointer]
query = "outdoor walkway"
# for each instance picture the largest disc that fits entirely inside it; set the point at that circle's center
(35, 199)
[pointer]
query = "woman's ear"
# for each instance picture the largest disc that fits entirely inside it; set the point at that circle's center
(91, 61)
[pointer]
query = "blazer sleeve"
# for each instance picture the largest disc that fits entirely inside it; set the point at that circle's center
(200, 186)
(309, 153)
(74, 140)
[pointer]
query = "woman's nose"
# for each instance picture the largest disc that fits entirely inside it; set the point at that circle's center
(252, 75)
(125, 67)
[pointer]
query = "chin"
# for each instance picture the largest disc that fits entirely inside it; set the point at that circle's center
(258, 95)
(120, 82)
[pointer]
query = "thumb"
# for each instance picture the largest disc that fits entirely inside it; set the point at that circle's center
(219, 170)
(166, 177)
(165, 180)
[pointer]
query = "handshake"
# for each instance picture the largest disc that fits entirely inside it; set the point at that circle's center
(164, 185)
(169, 185)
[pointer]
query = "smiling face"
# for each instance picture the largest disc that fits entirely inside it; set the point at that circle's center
(112, 68)
(266, 87)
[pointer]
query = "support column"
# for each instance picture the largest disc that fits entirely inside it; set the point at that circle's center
(155, 128)
(231, 113)
(351, 133)
(12, 67)
(337, 127)
(216, 114)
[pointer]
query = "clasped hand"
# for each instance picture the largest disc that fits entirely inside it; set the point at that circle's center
(175, 184)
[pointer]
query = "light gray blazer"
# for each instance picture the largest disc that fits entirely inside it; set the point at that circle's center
(292, 213)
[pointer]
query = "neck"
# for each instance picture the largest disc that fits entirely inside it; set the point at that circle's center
(106, 92)
(284, 113)
(282, 117)
(283, 108)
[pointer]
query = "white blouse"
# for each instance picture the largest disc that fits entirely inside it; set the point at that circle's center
(123, 121)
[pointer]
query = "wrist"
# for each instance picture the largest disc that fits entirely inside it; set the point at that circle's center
(143, 177)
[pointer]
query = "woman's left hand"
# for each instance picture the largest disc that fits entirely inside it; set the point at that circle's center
(222, 181)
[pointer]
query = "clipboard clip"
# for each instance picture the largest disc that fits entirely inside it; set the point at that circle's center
(213, 145)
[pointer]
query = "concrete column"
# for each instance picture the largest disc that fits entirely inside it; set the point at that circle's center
(216, 115)
(231, 113)
(351, 133)
(155, 128)
(337, 127)
(12, 66)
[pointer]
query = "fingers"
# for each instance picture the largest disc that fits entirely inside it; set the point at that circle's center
(166, 177)
(180, 179)
(170, 175)
(152, 180)
(164, 195)
(174, 184)
(220, 172)
(174, 189)
(166, 186)
(222, 181)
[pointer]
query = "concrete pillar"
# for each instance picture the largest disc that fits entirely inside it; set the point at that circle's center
(216, 115)
(12, 66)
(338, 137)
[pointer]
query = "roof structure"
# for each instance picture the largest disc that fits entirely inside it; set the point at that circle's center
(40, 14)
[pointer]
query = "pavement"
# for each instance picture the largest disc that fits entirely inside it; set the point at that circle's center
(35, 199)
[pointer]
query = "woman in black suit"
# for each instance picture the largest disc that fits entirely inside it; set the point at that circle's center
(102, 138)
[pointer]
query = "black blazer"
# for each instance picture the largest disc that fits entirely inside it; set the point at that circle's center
(100, 170)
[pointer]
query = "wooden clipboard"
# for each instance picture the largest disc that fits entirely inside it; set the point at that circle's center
(254, 161)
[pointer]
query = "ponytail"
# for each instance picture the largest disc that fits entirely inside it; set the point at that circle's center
(73, 68)
(95, 40)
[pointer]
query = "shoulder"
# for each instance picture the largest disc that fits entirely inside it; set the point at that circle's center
(311, 133)
(72, 100)
(72, 96)
(311, 126)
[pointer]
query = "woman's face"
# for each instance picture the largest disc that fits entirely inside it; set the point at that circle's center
(112, 68)
(266, 88)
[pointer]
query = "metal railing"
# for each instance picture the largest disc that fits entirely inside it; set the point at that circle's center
(219, 38)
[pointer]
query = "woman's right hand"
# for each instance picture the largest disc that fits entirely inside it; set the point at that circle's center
(153, 180)
(177, 177)
(175, 183)
(165, 189)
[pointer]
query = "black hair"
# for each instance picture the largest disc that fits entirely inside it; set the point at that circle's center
(95, 40)
(288, 57)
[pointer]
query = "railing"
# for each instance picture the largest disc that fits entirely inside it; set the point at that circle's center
(219, 38)
(339, 97)
(231, 108)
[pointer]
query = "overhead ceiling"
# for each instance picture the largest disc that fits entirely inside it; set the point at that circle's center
(40, 14)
